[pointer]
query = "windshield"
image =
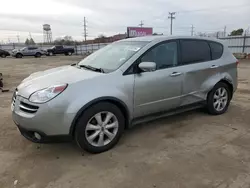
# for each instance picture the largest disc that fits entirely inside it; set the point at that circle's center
(23, 48)
(111, 57)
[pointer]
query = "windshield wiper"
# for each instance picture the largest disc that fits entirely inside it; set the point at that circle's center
(92, 68)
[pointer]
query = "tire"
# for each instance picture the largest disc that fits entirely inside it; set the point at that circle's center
(66, 54)
(19, 55)
(83, 133)
(219, 99)
(50, 54)
(69, 53)
(38, 55)
(3, 56)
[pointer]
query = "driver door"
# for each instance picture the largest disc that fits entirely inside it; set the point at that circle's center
(159, 90)
(25, 51)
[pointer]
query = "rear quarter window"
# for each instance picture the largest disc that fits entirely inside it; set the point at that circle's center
(195, 51)
(216, 50)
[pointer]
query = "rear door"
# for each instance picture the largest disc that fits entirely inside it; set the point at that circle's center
(199, 69)
(33, 51)
(59, 50)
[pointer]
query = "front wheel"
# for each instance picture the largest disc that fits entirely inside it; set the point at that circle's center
(38, 55)
(3, 56)
(19, 55)
(100, 127)
(219, 99)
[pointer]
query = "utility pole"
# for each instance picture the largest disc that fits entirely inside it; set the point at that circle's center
(9, 40)
(225, 31)
(141, 24)
(85, 30)
(217, 35)
(192, 30)
(171, 17)
(18, 38)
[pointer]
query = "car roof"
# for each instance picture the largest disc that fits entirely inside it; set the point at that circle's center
(162, 38)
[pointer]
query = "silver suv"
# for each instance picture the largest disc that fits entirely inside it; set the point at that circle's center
(123, 84)
(28, 51)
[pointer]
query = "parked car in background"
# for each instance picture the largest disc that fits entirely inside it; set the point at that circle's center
(4, 53)
(28, 51)
(125, 83)
(58, 49)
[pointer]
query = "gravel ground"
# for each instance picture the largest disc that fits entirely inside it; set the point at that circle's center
(192, 149)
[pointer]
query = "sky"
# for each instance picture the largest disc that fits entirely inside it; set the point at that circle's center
(18, 18)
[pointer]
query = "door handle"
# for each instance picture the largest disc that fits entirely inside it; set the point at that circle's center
(214, 66)
(175, 74)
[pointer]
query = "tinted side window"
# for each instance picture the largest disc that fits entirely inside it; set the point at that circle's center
(195, 51)
(59, 47)
(216, 49)
(32, 48)
(164, 55)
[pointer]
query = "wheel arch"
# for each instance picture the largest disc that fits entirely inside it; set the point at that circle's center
(228, 83)
(19, 53)
(230, 86)
(120, 104)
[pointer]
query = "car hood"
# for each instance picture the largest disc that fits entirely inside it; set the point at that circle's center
(15, 50)
(55, 76)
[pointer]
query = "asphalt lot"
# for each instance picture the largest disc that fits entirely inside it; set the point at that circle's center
(193, 149)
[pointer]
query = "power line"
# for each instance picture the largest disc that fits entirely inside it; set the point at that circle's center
(171, 17)
(214, 8)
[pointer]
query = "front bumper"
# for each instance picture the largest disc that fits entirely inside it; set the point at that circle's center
(30, 135)
(44, 119)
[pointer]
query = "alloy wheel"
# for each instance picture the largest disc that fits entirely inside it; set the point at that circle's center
(220, 99)
(101, 129)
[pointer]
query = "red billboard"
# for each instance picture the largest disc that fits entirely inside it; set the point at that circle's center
(139, 31)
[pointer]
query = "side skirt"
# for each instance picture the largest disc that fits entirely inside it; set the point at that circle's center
(163, 114)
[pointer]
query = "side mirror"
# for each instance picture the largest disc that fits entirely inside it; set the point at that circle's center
(147, 66)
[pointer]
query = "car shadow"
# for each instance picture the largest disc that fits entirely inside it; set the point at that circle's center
(172, 123)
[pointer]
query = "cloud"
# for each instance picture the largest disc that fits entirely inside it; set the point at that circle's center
(111, 16)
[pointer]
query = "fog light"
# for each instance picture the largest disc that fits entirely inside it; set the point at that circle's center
(38, 136)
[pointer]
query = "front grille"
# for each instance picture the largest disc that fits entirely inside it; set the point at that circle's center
(28, 108)
(14, 98)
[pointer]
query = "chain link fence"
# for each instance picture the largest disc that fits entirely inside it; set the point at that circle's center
(79, 49)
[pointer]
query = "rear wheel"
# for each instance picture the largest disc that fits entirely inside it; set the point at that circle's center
(50, 53)
(100, 127)
(19, 55)
(69, 53)
(3, 55)
(219, 99)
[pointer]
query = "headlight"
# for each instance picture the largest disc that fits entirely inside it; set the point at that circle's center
(47, 94)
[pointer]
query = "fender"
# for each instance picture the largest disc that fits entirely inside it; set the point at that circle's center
(212, 81)
(113, 99)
